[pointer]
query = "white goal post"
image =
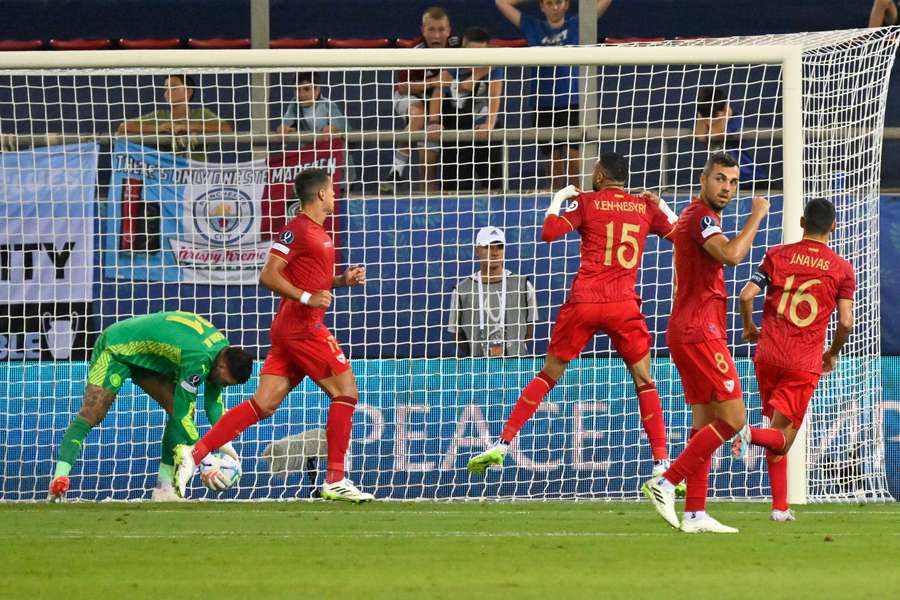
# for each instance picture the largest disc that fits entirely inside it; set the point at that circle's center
(812, 112)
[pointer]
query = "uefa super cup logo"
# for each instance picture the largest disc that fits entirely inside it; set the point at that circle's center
(224, 215)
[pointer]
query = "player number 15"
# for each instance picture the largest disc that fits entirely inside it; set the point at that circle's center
(626, 240)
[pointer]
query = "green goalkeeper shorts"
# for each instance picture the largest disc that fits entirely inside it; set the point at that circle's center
(106, 370)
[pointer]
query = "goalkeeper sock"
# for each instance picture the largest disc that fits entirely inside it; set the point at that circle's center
(770, 439)
(231, 425)
(697, 485)
(700, 447)
(778, 479)
(528, 403)
(166, 474)
(337, 431)
(72, 443)
(653, 421)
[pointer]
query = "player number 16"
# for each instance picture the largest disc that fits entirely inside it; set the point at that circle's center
(797, 298)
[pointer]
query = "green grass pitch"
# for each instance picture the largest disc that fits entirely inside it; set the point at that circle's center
(497, 550)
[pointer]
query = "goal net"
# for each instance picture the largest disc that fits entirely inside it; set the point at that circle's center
(140, 182)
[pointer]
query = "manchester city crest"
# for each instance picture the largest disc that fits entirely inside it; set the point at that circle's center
(223, 215)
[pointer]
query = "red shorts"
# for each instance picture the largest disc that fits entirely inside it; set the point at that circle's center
(707, 371)
(318, 356)
(623, 322)
(786, 390)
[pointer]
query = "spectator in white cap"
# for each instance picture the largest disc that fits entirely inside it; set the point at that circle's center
(492, 312)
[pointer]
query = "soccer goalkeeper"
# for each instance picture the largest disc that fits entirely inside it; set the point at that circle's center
(168, 355)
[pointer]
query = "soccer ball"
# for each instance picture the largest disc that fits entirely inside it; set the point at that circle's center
(219, 469)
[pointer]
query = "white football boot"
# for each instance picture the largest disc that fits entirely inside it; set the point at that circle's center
(345, 491)
(663, 500)
(703, 523)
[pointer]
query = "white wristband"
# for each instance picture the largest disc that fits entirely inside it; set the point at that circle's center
(305, 298)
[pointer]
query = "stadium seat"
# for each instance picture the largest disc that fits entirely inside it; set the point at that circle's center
(149, 44)
(358, 43)
(501, 43)
(80, 44)
(218, 43)
(407, 42)
(282, 43)
(633, 40)
(6, 45)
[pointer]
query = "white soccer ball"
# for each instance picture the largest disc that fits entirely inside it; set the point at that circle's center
(219, 472)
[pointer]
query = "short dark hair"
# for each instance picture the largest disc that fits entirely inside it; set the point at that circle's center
(711, 100)
(187, 81)
(308, 183)
(435, 12)
(719, 159)
(614, 165)
(476, 34)
(239, 363)
(819, 216)
(306, 77)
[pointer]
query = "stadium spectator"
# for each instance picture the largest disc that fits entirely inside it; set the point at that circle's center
(555, 88)
(718, 126)
(492, 312)
(471, 101)
(310, 112)
(179, 118)
(413, 88)
(884, 12)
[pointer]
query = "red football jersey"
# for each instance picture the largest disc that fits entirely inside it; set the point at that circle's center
(698, 313)
(804, 281)
(614, 226)
(309, 252)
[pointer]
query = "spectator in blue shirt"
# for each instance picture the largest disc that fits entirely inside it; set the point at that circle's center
(309, 111)
(556, 88)
(718, 126)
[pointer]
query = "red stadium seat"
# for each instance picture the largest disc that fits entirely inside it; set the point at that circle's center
(80, 44)
(149, 44)
(358, 43)
(6, 45)
(218, 43)
(282, 43)
(633, 40)
(407, 42)
(501, 43)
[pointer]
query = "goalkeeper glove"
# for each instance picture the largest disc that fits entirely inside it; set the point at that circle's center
(560, 197)
(210, 474)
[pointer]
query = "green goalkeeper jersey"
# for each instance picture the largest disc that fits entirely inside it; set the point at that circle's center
(179, 345)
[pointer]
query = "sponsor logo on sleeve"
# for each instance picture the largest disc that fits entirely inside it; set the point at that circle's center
(708, 227)
(573, 205)
(190, 384)
(287, 237)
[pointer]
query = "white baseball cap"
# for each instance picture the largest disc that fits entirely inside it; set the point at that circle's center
(490, 235)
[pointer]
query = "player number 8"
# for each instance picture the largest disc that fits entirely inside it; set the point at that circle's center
(721, 363)
(797, 298)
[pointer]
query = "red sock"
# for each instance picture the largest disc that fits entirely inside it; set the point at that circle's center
(528, 403)
(228, 427)
(337, 431)
(697, 485)
(771, 439)
(778, 479)
(700, 448)
(653, 421)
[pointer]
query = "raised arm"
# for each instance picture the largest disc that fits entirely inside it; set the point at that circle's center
(732, 252)
(602, 6)
(508, 9)
(272, 278)
(556, 225)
